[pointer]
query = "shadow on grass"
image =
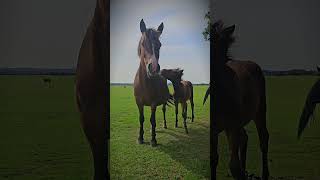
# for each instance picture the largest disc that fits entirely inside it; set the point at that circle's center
(191, 150)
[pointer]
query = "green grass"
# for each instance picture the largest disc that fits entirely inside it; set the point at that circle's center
(178, 155)
(41, 136)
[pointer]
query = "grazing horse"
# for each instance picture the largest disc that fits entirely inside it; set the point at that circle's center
(239, 97)
(47, 81)
(91, 87)
(183, 91)
(150, 89)
(312, 100)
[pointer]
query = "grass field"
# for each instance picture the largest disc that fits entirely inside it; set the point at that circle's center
(41, 137)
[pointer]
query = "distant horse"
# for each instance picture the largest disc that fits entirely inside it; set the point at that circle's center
(239, 97)
(312, 100)
(47, 81)
(150, 89)
(183, 91)
(92, 87)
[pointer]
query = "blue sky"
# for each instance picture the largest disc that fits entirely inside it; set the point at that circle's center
(183, 45)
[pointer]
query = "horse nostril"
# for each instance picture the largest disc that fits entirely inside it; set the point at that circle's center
(149, 67)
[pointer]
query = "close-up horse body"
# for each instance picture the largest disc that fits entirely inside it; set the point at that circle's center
(183, 91)
(91, 87)
(239, 97)
(150, 89)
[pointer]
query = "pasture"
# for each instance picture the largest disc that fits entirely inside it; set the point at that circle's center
(41, 136)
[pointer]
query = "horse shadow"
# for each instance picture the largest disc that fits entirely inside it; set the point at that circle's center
(191, 150)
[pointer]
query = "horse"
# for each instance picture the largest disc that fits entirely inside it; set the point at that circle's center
(150, 89)
(239, 97)
(91, 87)
(183, 91)
(47, 81)
(312, 100)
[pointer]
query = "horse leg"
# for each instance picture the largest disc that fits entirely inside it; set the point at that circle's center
(99, 151)
(164, 116)
(192, 109)
(214, 155)
(261, 126)
(141, 119)
(243, 148)
(176, 108)
(98, 141)
(234, 164)
(153, 124)
(184, 106)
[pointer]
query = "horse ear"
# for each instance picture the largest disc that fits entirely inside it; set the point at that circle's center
(143, 27)
(229, 30)
(160, 28)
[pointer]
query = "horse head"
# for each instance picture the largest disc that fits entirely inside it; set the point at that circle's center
(149, 48)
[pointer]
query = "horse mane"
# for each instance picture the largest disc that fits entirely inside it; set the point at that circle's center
(141, 41)
(101, 37)
(218, 33)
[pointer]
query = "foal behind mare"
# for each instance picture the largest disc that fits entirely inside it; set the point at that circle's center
(183, 91)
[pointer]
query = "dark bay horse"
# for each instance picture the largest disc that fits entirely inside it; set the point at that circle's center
(91, 87)
(150, 89)
(312, 100)
(239, 97)
(47, 81)
(183, 91)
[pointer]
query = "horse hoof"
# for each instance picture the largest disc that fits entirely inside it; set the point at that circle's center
(140, 141)
(176, 126)
(153, 143)
(187, 132)
(165, 127)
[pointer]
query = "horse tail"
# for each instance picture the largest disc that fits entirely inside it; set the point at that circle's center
(170, 100)
(206, 95)
(308, 110)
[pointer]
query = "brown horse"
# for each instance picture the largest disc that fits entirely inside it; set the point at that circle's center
(150, 89)
(183, 91)
(239, 97)
(312, 100)
(91, 87)
(47, 81)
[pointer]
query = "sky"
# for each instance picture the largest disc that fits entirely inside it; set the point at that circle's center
(183, 45)
(278, 35)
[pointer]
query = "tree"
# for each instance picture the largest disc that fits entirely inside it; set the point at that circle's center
(206, 32)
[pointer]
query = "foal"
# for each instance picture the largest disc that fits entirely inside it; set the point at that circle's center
(183, 91)
(239, 97)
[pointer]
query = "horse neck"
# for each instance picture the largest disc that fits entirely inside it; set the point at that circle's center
(142, 72)
(177, 86)
(219, 64)
(101, 32)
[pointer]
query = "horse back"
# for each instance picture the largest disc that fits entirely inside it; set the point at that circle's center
(250, 82)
